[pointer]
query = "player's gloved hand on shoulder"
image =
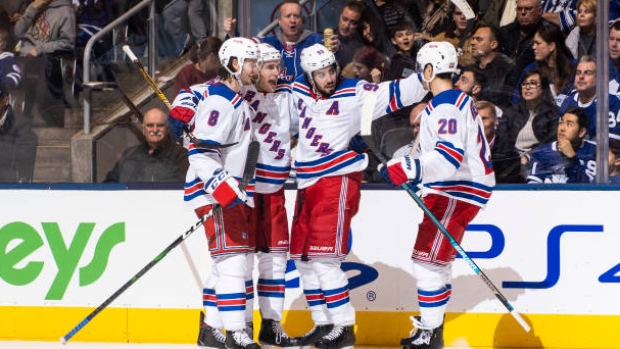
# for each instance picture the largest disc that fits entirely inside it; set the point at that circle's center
(400, 170)
(358, 144)
(225, 189)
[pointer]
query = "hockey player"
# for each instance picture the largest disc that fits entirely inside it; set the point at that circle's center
(456, 174)
(221, 120)
(328, 180)
(271, 100)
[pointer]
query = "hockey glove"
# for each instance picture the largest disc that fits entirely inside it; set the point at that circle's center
(225, 189)
(358, 144)
(401, 170)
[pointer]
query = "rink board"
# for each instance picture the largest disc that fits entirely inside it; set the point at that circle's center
(553, 254)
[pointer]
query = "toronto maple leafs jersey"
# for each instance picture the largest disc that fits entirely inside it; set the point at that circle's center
(590, 109)
(272, 123)
(291, 51)
(221, 126)
(455, 158)
(548, 165)
(327, 124)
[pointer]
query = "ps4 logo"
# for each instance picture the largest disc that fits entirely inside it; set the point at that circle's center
(553, 253)
(367, 274)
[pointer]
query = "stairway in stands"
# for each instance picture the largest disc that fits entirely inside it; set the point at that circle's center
(53, 160)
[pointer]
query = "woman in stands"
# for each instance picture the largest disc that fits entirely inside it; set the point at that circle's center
(553, 59)
(530, 122)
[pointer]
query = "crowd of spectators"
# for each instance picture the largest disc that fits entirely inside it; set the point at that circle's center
(527, 62)
(531, 60)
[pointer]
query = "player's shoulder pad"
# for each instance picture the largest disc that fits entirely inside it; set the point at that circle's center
(226, 93)
(453, 97)
(301, 85)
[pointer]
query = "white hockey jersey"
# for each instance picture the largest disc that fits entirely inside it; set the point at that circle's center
(220, 117)
(272, 124)
(327, 124)
(454, 155)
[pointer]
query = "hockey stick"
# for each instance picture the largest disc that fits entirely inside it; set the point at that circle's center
(366, 121)
(165, 100)
(146, 76)
(248, 174)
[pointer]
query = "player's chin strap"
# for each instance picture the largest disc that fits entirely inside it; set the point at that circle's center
(366, 127)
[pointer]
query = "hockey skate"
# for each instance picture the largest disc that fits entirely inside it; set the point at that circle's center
(240, 340)
(340, 337)
(211, 337)
(249, 327)
(272, 334)
(314, 335)
(422, 337)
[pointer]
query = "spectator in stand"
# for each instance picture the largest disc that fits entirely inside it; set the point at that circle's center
(199, 18)
(291, 39)
(457, 33)
(554, 60)
(172, 28)
(368, 64)
(488, 115)
(402, 63)
(394, 11)
(530, 122)
(471, 81)
(561, 13)
(614, 160)
(156, 159)
(570, 159)
(10, 73)
(13, 10)
(349, 31)
(384, 15)
(204, 66)
(582, 39)
(499, 13)
(499, 71)
(517, 37)
(585, 97)
(614, 11)
(372, 36)
(505, 161)
(47, 29)
(18, 144)
(614, 58)
(415, 117)
(435, 20)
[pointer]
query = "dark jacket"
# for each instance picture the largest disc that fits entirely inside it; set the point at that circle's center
(506, 158)
(516, 46)
(18, 149)
(168, 163)
(401, 66)
(545, 123)
(501, 76)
